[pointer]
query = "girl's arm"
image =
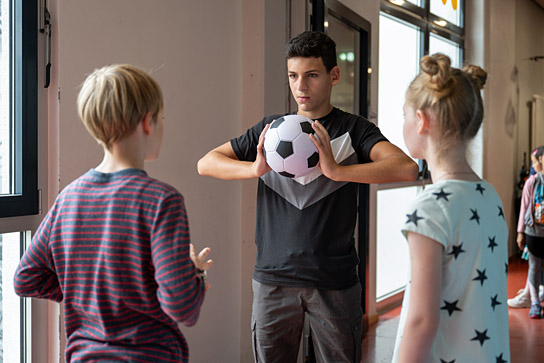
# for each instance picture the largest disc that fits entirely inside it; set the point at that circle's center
(526, 196)
(424, 309)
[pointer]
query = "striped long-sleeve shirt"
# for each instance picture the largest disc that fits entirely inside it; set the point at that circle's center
(114, 248)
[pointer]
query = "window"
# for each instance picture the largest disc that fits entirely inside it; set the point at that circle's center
(18, 163)
(12, 325)
(408, 30)
(18, 108)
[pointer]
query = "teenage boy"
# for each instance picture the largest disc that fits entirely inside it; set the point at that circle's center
(115, 245)
(306, 258)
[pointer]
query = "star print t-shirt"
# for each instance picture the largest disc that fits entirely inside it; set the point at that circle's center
(467, 218)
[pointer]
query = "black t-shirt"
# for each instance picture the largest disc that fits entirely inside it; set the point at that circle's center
(305, 226)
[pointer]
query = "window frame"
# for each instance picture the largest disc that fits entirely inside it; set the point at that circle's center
(24, 79)
(424, 19)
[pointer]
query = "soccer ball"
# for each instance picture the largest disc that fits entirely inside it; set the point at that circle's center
(287, 147)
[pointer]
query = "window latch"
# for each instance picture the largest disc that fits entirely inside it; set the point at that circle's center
(46, 30)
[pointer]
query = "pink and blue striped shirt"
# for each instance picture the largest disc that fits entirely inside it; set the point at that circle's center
(114, 248)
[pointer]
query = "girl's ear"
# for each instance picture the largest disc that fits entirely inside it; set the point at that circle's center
(423, 122)
(146, 124)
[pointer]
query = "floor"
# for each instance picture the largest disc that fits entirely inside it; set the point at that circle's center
(526, 335)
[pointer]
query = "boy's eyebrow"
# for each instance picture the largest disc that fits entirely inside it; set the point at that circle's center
(309, 71)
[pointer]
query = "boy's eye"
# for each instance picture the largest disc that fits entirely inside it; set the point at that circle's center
(312, 75)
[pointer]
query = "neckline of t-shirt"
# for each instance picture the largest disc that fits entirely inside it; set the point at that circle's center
(129, 171)
(459, 181)
(324, 118)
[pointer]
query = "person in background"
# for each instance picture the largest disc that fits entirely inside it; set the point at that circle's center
(531, 235)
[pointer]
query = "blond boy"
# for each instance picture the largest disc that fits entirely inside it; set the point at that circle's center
(115, 245)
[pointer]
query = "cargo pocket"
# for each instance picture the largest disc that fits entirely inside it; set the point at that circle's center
(254, 335)
(356, 330)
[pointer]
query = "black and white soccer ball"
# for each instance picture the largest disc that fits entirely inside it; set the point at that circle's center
(287, 147)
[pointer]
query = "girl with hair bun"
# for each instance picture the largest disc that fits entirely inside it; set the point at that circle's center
(454, 307)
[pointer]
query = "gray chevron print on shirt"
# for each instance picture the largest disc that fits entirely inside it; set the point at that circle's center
(307, 190)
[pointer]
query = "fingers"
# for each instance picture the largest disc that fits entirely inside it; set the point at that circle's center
(207, 265)
(200, 259)
(202, 256)
(260, 145)
(204, 253)
(261, 137)
(321, 133)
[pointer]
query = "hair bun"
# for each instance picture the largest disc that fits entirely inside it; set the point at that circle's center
(437, 67)
(476, 74)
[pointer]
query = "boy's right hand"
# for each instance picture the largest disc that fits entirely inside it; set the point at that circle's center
(260, 166)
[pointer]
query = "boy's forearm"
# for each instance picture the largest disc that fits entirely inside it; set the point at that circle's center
(394, 168)
(37, 283)
(221, 166)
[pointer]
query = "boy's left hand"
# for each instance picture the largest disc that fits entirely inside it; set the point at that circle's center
(199, 260)
(323, 144)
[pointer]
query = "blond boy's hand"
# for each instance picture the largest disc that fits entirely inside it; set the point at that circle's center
(199, 260)
(200, 263)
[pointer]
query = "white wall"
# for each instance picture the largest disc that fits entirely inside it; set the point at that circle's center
(194, 49)
(530, 74)
(513, 32)
(210, 58)
(370, 11)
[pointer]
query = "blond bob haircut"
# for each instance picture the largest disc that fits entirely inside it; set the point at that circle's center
(450, 95)
(114, 99)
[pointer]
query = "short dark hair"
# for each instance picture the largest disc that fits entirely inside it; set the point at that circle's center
(313, 44)
(538, 152)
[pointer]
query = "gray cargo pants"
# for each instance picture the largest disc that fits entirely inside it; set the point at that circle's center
(335, 318)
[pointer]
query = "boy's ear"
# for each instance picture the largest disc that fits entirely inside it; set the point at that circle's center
(146, 124)
(335, 75)
(423, 122)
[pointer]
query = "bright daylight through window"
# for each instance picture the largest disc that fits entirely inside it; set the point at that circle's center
(15, 125)
(409, 29)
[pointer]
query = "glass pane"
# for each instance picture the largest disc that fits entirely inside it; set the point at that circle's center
(344, 93)
(399, 64)
(10, 331)
(449, 10)
(5, 92)
(438, 44)
(391, 246)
